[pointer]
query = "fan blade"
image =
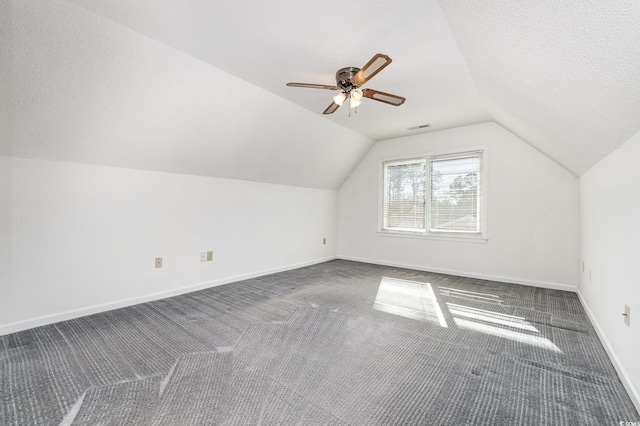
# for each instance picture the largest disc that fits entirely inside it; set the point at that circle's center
(313, 86)
(331, 108)
(373, 67)
(387, 98)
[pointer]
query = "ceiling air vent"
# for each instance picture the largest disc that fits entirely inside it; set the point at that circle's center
(422, 126)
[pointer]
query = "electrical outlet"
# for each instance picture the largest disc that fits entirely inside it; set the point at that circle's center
(583, 266)
(209, 256)
(158, 262)
(324, 241)
(627, 315)
(203, 256)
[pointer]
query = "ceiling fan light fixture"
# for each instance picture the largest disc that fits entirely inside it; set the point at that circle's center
(355, 98)
(339, 98)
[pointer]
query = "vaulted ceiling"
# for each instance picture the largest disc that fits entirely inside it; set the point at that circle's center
(198, 87)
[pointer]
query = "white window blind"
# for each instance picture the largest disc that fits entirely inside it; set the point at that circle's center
(434, 195)
(455, 193)
(404, 204)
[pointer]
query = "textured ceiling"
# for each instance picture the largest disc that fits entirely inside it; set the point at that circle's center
(270, 43)
(198, 87)
(82, 88)
(562, 75)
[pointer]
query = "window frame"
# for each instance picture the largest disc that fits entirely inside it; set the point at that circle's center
(448, 235)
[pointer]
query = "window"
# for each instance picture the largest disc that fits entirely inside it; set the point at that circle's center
(435, 195)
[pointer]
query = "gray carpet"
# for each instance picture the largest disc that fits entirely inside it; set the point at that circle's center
(339, 343)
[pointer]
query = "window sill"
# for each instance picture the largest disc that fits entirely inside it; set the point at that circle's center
(442, 237)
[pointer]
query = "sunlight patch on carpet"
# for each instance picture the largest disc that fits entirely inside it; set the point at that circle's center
(409, 299)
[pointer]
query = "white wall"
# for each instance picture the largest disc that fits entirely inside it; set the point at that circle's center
(84, 237)
(610, 249)
(4, 230)
(532, 213)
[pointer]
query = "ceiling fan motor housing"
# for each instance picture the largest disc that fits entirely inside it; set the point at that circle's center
(344, 76)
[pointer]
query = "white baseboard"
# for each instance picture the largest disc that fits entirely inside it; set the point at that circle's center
(94, 309)
(617, 364)
(510, 280)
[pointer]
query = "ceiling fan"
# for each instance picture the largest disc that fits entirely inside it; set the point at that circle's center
(350, 79)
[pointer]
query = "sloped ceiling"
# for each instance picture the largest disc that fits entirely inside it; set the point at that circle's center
(198, 87)
(82, 88)
(562, 75)
(270, 43)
